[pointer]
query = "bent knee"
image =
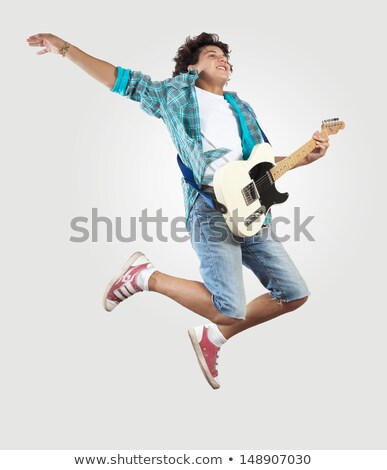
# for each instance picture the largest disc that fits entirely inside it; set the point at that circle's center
(229, 313)
(233, 313)
(230, 306)
(294, 304)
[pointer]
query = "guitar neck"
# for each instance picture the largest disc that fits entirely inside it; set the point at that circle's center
(328, 127)
(291, 161)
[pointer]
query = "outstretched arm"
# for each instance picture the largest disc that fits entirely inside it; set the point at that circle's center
(99, 69)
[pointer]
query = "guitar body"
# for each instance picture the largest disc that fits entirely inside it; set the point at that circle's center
(247, 190)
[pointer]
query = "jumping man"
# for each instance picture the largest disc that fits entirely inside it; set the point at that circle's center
(209, 127)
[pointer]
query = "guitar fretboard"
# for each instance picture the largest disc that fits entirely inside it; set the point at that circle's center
(289, 162)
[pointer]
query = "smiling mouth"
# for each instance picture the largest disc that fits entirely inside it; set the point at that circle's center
(221, 67)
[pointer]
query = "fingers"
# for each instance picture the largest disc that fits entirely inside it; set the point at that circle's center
(35, 41)
(319, 138)
(39, 44)
(38, 39)
(40, 36)
(36, 44)
(34, 38)
(322, 143)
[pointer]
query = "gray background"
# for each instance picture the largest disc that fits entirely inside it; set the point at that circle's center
(75, 377)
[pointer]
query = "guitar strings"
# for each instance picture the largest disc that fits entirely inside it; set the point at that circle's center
(265, 181)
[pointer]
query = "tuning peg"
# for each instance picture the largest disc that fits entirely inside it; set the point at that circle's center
(328, 121)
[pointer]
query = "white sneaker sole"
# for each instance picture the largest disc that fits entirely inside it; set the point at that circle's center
(127, 265)
(202, 362)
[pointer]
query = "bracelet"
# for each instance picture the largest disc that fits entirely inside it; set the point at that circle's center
(64, 48)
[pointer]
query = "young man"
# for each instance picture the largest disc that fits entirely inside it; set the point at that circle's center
(209, 128)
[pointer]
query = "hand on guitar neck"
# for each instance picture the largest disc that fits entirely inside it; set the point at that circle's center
(322, 143)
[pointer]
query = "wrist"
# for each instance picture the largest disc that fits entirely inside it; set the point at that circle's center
(312, 158)
(64, 49)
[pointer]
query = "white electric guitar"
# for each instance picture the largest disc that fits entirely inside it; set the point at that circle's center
(246, 189)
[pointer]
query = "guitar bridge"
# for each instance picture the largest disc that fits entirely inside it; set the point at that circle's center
(250, 193)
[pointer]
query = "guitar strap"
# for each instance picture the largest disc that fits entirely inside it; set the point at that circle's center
(247, 146)
(189, 178)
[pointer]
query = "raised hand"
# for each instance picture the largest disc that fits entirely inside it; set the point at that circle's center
(98, 69)
(48, 41)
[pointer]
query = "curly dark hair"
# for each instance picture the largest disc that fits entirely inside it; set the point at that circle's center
(188, 53)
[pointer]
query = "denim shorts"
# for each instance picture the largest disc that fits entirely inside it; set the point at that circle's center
(222, 254)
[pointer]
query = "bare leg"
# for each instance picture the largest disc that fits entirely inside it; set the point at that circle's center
(259, 310)
(191, 294)
(196, 297)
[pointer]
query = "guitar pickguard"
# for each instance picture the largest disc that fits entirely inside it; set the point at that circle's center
(268, 194)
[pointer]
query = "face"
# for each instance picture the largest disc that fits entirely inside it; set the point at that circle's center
(212, 64)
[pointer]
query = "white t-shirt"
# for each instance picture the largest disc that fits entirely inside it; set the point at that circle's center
(219, 128)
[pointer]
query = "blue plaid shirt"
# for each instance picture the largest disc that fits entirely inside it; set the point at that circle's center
(174, 101)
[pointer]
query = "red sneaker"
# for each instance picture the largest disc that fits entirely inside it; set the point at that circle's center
(207, 354)
(124, 285)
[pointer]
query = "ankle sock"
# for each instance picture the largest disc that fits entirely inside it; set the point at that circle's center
(215, 336)
(143, 278)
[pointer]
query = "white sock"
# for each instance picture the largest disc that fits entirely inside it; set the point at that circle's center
(143, 278)
(215, 336)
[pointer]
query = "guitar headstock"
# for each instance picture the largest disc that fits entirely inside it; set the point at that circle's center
(332, 126)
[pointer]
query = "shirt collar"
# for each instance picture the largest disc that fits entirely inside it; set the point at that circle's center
(186, 79)
(189, 78)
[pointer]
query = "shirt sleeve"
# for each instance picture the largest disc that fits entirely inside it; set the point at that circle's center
(139, 87)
